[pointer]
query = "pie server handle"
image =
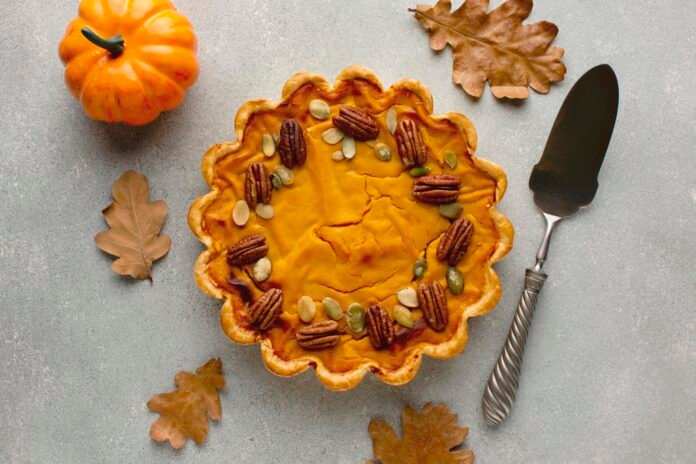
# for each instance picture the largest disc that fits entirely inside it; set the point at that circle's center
(502, 384)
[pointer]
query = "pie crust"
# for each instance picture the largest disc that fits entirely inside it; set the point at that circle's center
(350, 229)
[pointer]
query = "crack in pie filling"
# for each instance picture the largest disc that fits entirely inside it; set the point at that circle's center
(349, 229)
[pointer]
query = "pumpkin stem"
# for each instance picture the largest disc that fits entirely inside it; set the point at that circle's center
(114, 45)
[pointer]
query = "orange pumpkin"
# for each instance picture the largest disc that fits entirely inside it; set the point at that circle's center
(129, 60)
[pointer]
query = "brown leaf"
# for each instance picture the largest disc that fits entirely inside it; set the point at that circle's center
(428, 437)
(495, 46)
(184, 412)
(135, 224)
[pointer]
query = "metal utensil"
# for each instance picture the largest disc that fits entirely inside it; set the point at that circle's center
(564, 180)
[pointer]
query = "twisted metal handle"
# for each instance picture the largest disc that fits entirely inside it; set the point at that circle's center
(502, 384)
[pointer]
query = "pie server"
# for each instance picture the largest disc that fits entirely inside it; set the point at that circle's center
(564, 180)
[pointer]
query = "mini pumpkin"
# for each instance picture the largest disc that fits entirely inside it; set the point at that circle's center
(129, 60)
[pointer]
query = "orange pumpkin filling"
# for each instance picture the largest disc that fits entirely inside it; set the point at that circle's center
(350, 229)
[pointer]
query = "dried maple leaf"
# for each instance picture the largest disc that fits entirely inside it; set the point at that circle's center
(428, 437)
(134, 226)
(495, 46)
(184, 412)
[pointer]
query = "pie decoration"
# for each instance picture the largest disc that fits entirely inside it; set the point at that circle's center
(375, 241)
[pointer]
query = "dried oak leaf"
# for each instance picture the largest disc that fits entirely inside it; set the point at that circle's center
(134, 227)
(184, 412)
(495, 46)
(428, 437)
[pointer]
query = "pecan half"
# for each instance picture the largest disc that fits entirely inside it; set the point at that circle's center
(318, 336)
(380, 327)
(266, 310)
(257, 185)
(248, 250)
(356, 123)
(410, 145)
(292, 146)
(436, 188)
(455, 242)
(433, 302)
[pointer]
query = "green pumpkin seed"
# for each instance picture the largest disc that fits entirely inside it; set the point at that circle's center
(306, 308)
(332, 308)
(419, 268)
(383, 152)
(332, 136)
(391, 120)
(268, 145)
(319, 109)
(455, 281)
(403, 316)
(285, 174)
(407, 297)
(276, 181)
(450, 159)
(451, 210)
(356, 317)
(419, 171)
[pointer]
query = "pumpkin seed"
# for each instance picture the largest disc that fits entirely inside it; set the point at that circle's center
(306, 308)
(285, 174)
(383, 152)
(419, 171)
(276, 138)
(348, 147)
(450, 159)
(262, 269)
(338, 156)
(276, 181)
(419, 267)
(407, 297)
(403, 316)
(451, 210)
(319, 109)
(240, 213)
(264, 211)
(455, 281)
(332, 136)
(268, 145)
(356, 317)
(391, 120)
(332, 308)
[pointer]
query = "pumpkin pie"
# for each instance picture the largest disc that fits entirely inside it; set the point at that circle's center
(349, 229)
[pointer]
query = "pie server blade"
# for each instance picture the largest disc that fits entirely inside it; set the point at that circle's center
(564, 179)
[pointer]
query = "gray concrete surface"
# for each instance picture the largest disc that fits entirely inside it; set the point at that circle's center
(610, 368)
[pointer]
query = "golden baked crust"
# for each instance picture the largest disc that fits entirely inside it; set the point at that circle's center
(341, 237)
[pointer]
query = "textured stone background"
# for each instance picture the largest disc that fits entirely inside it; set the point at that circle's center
(610, 368)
